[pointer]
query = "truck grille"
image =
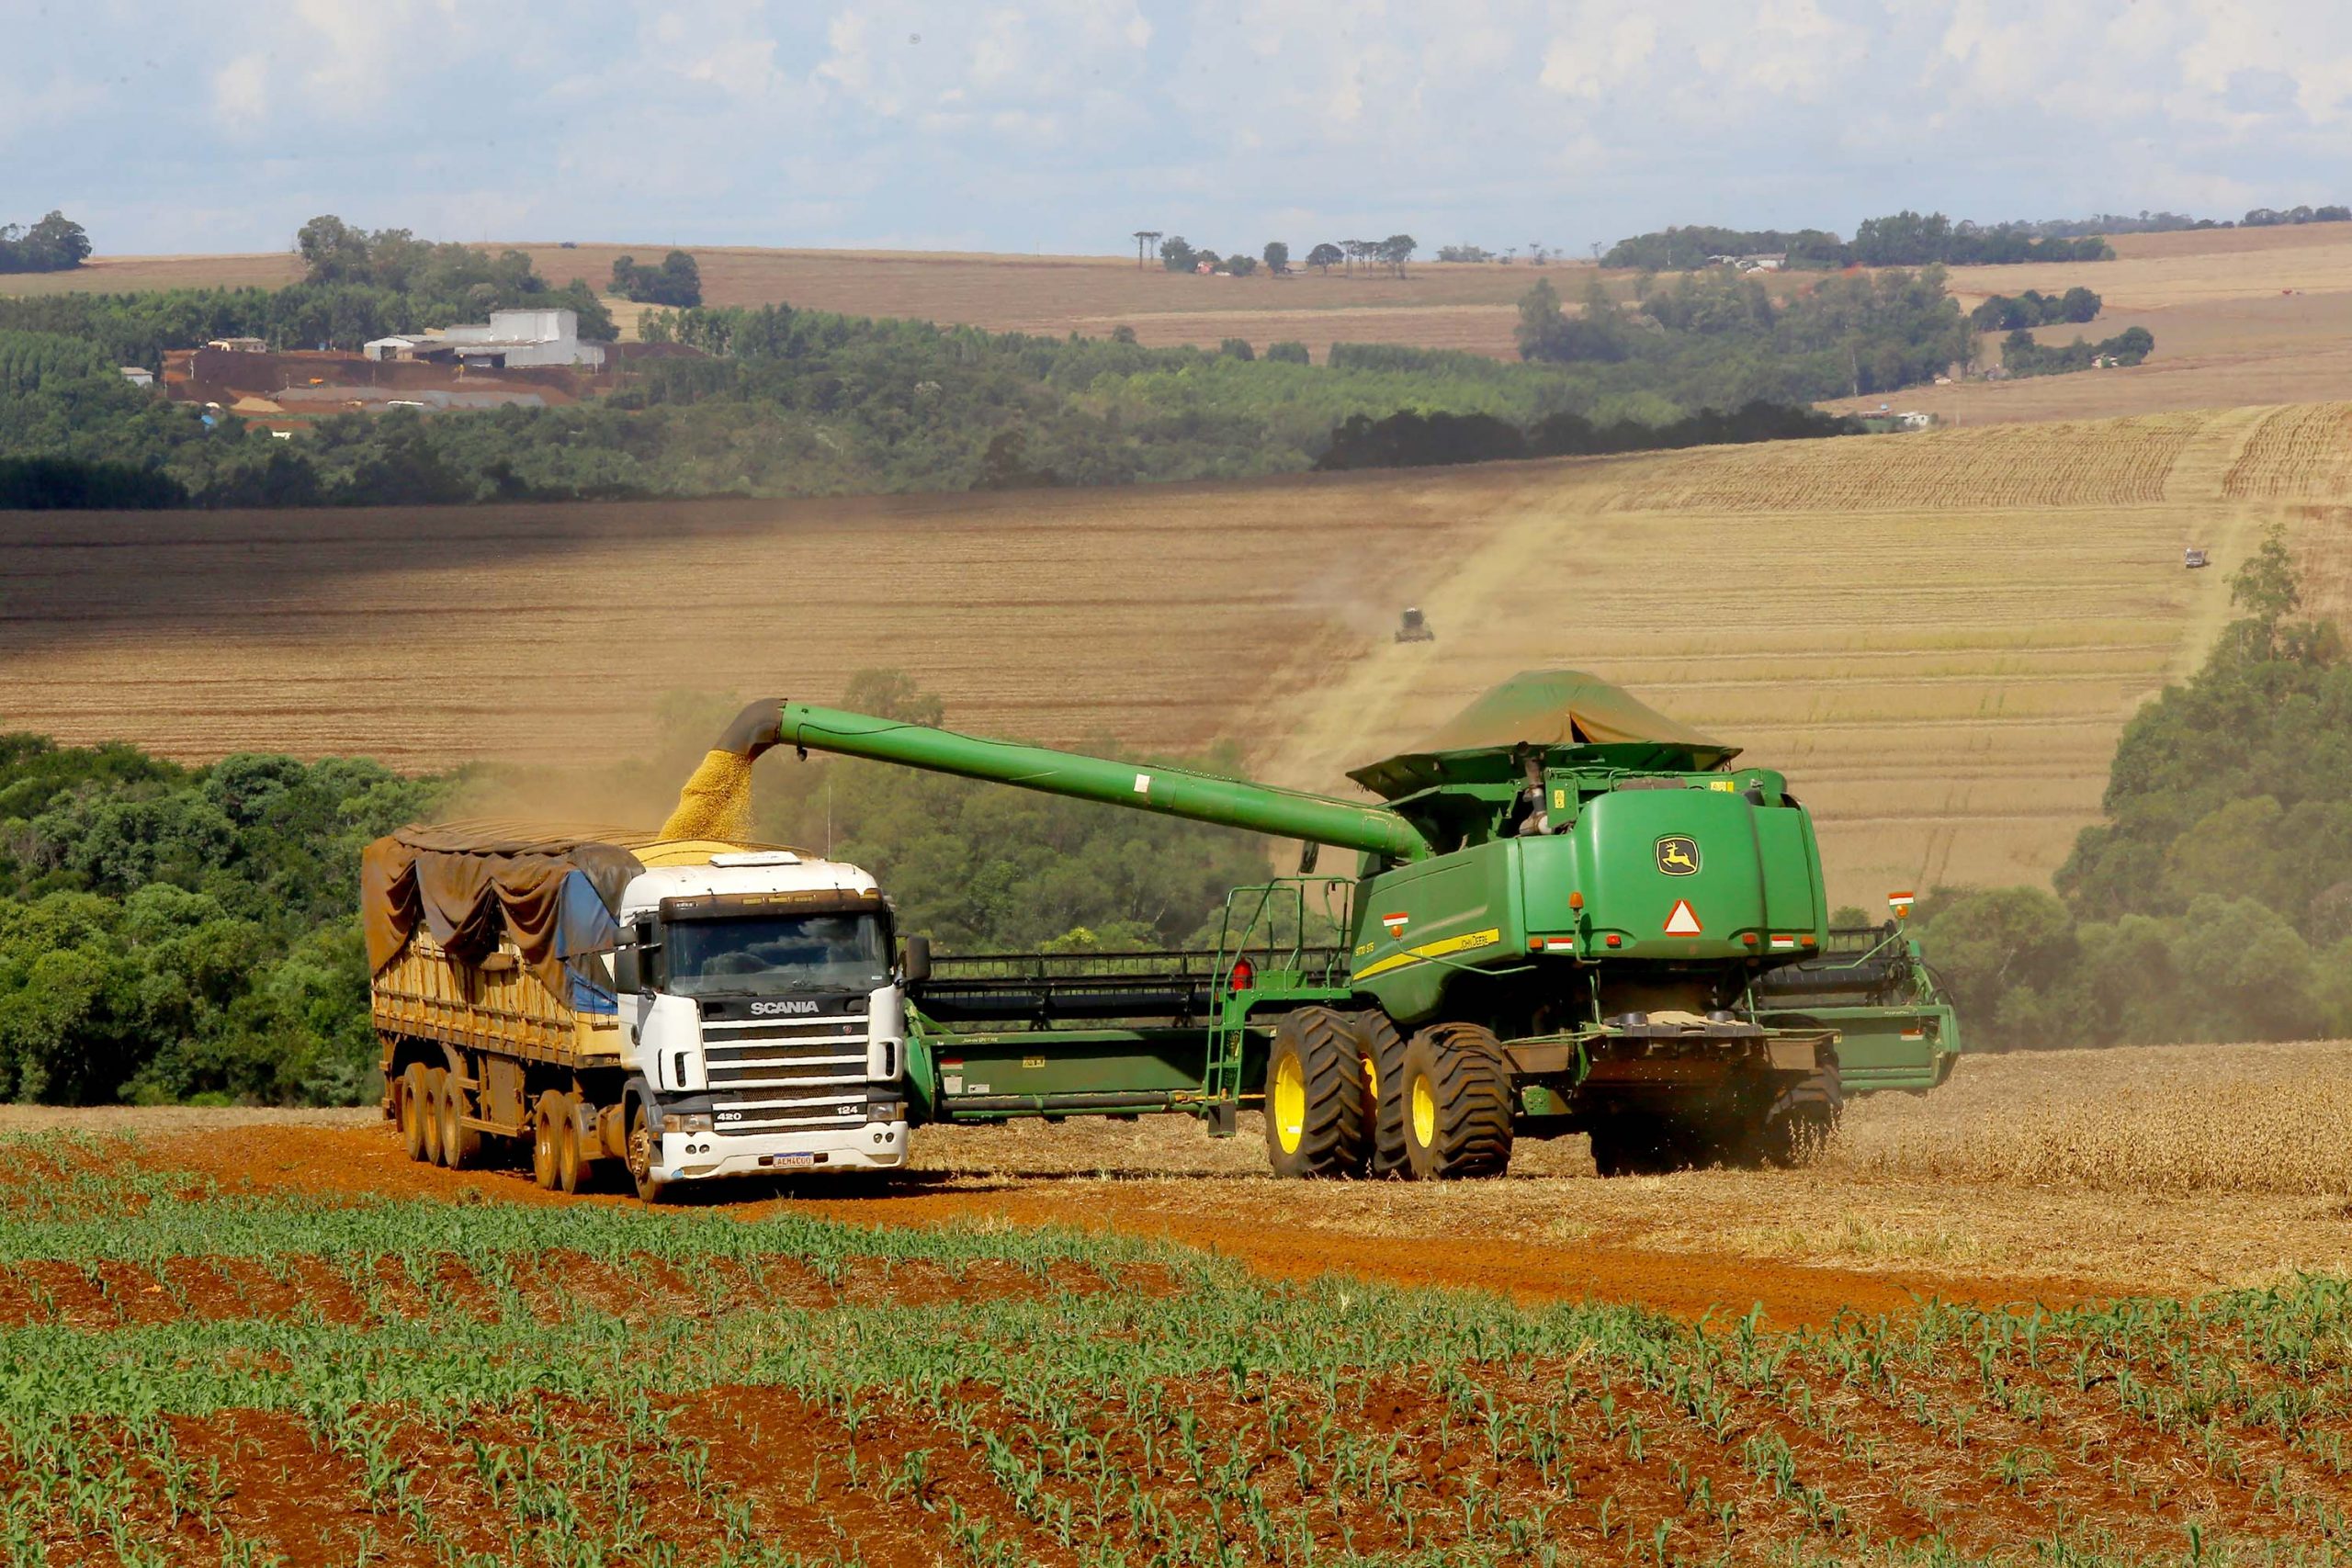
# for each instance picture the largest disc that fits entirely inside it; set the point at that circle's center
(770, 1074)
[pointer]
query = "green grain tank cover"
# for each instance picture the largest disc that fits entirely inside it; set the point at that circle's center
(1555, 709)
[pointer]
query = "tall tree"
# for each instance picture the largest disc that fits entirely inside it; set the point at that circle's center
(1277, 257)
(1323, 256)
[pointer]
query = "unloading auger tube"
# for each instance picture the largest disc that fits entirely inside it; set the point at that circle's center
(1173, 792)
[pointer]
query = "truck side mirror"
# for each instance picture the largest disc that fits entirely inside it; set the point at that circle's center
(628, 979)
(916, 967)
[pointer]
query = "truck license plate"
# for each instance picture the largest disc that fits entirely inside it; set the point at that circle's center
(795, 1162)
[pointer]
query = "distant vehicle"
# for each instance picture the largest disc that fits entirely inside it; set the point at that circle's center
(1413, 629)
(404, 403)
(2194, 556)
(568, 245)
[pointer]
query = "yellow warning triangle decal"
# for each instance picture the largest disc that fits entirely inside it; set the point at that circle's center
(1683, 921)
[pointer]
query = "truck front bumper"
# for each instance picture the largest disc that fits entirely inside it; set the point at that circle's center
(867, 1145)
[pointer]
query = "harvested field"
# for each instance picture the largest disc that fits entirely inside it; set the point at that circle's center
(217, 1353)
(1938, 636)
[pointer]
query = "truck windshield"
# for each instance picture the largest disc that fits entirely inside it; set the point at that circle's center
(762, 955)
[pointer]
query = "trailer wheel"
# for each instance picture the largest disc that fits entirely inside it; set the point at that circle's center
(1383, 1049)
(568, 1162)
(1457, 1103)
(640, 1155)
(415, 1110)
(1316, 1124)
(1802, 1120)
(437, 1084)
(545, 1112)
(459, 1142)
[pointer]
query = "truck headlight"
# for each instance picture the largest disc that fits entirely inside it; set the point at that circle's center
(689, 1121)
(885, 1111)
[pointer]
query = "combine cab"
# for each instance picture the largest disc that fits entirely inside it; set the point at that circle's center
(1414, 627)
(2194, 556)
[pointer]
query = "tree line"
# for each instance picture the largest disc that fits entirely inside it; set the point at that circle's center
(56, 244)
(2021, 355)
(2214, 900)
(1390, 255)
(677, 281)
(2034, 309)
(1847, 336)
(784, 401)
(1902, 239)
(1411, 439)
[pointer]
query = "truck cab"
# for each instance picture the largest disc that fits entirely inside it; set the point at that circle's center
(762, 1017)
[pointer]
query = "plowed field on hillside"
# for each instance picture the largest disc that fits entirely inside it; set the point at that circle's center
(1938, 636)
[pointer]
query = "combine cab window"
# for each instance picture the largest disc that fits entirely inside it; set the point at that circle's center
(762, 955)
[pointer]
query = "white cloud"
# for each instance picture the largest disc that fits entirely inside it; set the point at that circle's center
(241, 93)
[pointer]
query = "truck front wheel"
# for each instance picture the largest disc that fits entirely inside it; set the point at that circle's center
(1457, 1103)
(640, 1155)
(1316, 1124)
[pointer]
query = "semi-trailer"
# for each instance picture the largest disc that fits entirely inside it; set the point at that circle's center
(1570, 914)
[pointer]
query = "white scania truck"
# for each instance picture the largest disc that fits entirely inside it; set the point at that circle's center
(693, 1008)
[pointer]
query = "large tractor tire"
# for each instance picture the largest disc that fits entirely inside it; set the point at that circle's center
(1316, 1124)
(1802, 1120)
(460, 1145)
(415, 1110)
(1383, 1049)
(1457, 1100)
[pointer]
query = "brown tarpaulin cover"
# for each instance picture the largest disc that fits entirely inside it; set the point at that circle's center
(460, 879)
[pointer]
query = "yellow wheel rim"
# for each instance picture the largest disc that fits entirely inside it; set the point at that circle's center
(1289, 1103)
(1424, 1111)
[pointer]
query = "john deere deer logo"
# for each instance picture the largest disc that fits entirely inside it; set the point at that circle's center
(1677, 856)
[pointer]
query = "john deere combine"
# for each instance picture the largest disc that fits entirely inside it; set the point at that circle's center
(1571, 915)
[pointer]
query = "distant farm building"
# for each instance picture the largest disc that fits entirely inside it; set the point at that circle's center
(1766, 260)
(139, 375)
(238, 344)
(510, 339)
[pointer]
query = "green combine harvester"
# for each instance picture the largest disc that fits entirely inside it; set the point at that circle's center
(1571, 914)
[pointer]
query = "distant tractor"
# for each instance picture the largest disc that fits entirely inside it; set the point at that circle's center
(2194, 556)
(1414, 627)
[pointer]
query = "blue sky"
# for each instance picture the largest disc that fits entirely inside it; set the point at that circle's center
(1062, 125)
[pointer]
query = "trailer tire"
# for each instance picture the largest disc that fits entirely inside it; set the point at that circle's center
(459, 1144)
(568, 1163)
(1457, 1095)
(1316, 1124)
(640, 1155)
(415, 1110)
(544, 1115)
(437, 1084)
(1382, 1047)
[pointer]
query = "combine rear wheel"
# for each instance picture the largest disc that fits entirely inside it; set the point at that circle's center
(1383, 1049)
(1316, 1124)
(1802, 1120)
(1457, 1103)
(416, 1110)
